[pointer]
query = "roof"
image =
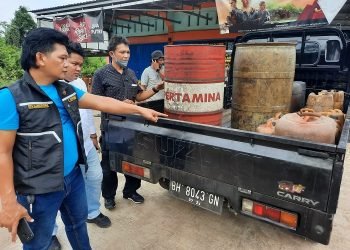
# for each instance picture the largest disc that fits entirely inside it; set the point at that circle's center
(83, 5)
(97, 5)
(342, 19)
(60, 6)
(125, 11)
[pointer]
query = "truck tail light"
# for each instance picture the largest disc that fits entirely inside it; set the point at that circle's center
(134, 169)
(272, 214)
(259, 209)
(247, 205)
(289, 219)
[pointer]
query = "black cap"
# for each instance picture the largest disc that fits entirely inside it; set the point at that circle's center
(157, 54)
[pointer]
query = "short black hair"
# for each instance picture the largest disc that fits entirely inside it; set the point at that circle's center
(40, 40)
(115, 41)
(75, 48)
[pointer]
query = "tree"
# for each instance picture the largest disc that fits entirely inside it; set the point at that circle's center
(12, 36)
(91, 64)
(3, 28)
(19, 26)
(10, 69)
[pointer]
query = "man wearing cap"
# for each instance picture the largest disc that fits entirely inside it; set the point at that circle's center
(153, 75)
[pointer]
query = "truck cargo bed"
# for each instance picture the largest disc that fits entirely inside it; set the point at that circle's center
(233, 166)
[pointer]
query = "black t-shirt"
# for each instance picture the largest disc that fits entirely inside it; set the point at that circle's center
(107, 81)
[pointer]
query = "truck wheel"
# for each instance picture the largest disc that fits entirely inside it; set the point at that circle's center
(164, 183)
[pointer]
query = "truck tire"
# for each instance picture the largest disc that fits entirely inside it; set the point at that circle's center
(164, 183)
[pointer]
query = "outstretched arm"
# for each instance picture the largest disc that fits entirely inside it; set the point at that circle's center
(144, 95)
(113, 106)
(10, 210)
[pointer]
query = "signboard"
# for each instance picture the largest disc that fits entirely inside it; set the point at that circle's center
(81, 29)
(253, 15)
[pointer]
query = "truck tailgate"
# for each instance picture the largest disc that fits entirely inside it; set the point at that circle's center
(277, 167)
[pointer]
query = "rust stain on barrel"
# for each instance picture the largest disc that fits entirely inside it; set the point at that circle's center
(263, 75)
(194, 82)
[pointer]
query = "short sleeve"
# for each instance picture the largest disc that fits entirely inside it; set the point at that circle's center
(144, 77)
(80, 84)
(132, 75)
(139, 89)
(80, 93)
(9, 117)
(97, 85)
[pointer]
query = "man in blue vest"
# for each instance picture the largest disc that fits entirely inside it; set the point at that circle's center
(41, 143)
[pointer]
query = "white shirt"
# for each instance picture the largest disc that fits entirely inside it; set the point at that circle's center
(87, 119)
(151, 78)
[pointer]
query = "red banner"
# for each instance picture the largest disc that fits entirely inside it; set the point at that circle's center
(82, 29)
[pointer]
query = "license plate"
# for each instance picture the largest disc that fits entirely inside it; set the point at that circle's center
(197, 197)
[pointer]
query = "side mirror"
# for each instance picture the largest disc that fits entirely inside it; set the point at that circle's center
(333, 49)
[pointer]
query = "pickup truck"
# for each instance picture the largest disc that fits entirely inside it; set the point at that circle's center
(293, 184)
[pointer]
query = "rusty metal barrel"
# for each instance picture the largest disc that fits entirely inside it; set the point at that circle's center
(194, 83)
(263, 75)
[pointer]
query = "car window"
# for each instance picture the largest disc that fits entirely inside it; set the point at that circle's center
(333, 49)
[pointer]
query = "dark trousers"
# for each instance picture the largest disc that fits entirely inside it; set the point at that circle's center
(110, 180)
(73, 206)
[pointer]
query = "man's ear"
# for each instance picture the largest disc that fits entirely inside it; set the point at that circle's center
(111, 53)
(40, 59)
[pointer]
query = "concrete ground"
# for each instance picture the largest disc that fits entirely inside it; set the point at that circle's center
(163, 222)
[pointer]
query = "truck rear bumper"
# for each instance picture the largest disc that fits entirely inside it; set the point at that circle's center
(312, 224)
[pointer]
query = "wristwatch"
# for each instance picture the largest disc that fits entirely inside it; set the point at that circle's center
(155, 90)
